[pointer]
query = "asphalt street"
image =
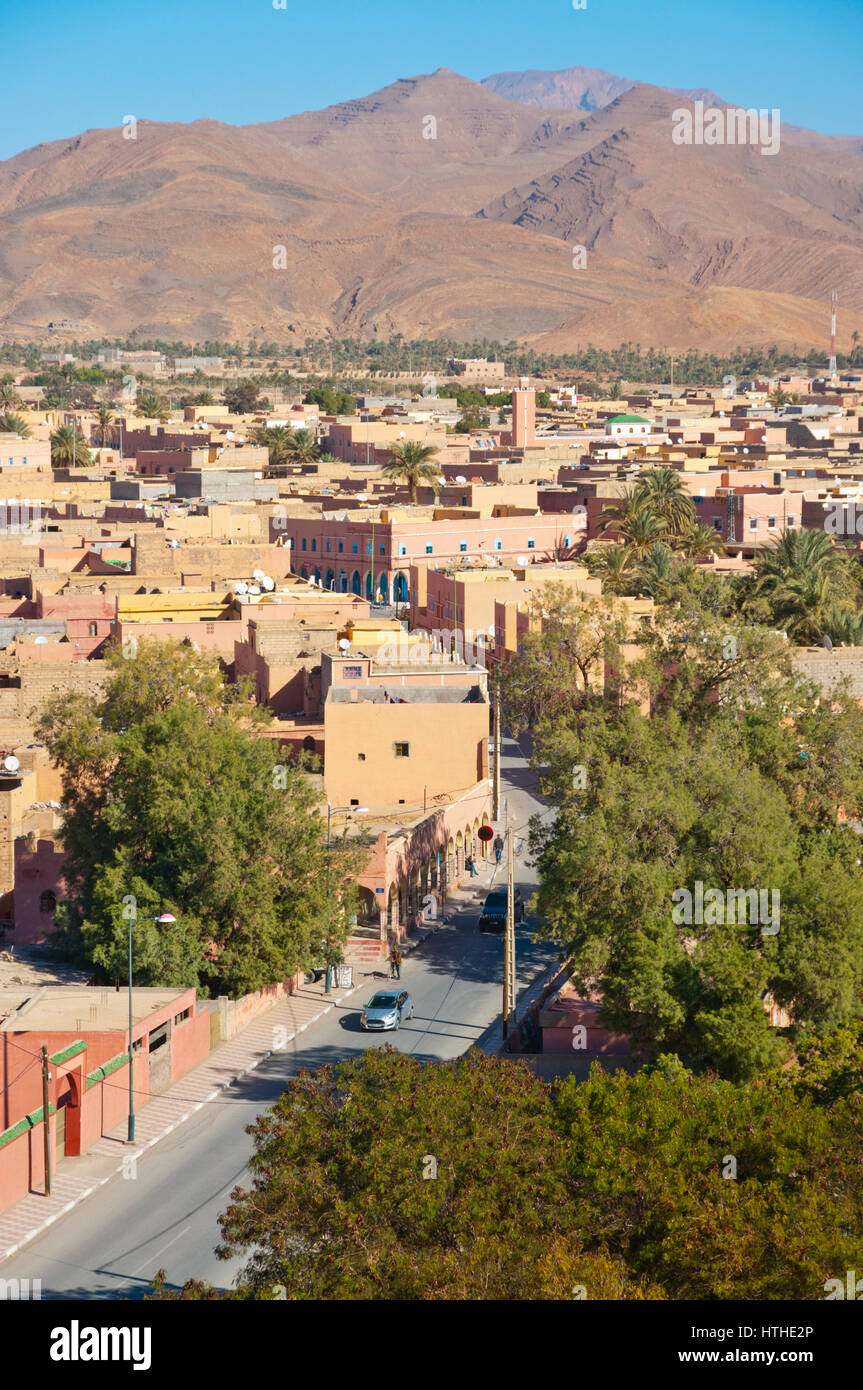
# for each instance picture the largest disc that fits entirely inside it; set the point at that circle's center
(111, 1245)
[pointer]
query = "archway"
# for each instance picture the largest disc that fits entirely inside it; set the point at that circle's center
(384, 588)
(356, 583)
(400, 588)
(330, 579)
(343, 581)
(369, 584)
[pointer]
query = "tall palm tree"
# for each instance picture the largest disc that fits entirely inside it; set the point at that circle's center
(274, 438)
(410, 462)
(699, 543)
(614, 565)
(301, 447)
(9, 398)
(11, 423)
(69, 449)
(659, 572)
(845, 625)
(805, 580)
(663, 490)
(152, 406)
(634, 520)
(104, 418)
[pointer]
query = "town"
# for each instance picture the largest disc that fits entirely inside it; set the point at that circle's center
(374, 591)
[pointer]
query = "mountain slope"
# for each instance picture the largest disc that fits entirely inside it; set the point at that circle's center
(435, 205)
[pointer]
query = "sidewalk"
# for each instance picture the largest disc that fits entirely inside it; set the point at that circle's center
(76, 1178)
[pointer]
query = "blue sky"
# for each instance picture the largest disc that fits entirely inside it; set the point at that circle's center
(71, 66)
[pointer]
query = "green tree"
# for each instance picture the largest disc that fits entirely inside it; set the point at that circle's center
(152, 406)
(613, 565)
(410, 462)
(711, 1190)
(11, 423)
(9, 398)
(69, 448)
(242, 397)
(383, 1178)
(663, 492)
(805, 582)
(563, 658)
(173, 799)
(104, 420)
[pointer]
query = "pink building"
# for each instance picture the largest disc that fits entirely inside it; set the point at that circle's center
(345, 554)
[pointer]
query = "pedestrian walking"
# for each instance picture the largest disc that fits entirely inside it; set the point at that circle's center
(498, 848)
(395, 963)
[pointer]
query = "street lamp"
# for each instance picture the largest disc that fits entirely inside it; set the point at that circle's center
(338, 810)
(130, 1131)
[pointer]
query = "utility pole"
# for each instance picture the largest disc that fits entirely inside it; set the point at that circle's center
(509, 943)
(495, 778)
(46, 1123)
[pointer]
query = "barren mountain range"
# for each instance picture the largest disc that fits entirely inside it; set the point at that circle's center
(439, 205)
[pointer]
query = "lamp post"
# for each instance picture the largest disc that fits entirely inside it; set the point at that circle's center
(130, 1131)
(337, 810)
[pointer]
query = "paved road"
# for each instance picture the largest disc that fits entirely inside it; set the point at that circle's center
(111, 1245)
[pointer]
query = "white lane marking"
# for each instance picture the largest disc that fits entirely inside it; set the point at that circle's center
(173, 1241)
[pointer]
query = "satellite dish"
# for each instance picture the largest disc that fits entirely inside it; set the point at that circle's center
(521, 560)
(242, 587)
(11, 763)
(257, 574)
(268, 584)
(41, 642)
(344, 644)
(461, 480)
(254, 589)
(825, 642)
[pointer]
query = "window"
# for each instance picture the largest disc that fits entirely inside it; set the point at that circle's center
(368, 547)
(181, 1018)
(352, 673)
(383, 550)
(753, 523)
(314, 544)
(329, 547)
(158, 1037)
(717, 523)
(567, 540)
(341, 546)
(462, 545)
(355, 549)
(791, 521)
(403, 550)
(48, 902)
(464, 501)
(94, 629)
(530, 542)
(402, 750)
(362, 757)
(303, 543)
(429, 549)
(498, 544)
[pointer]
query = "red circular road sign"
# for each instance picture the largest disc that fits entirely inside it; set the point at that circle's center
(485, 832)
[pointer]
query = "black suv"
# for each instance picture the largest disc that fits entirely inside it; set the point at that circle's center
(493, 916)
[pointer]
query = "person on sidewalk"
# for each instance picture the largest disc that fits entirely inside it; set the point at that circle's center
(471, 867)
(395, 962)
(498, 848)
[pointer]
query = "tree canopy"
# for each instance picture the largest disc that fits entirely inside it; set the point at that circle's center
(175, 801)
